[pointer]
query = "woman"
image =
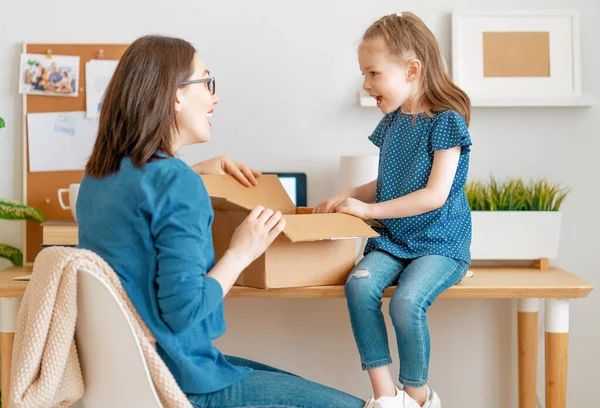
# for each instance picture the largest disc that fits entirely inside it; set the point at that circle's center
(149, 216)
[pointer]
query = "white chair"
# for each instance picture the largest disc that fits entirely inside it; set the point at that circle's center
(115, 373)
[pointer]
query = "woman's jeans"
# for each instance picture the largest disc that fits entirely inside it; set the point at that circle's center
(419, 281)
(269, 387)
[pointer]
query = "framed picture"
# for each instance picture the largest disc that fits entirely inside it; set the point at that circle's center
(517, 54)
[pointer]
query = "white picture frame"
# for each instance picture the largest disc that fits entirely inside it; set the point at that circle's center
(563, 80)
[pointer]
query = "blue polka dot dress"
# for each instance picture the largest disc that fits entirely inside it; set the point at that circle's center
(406, 148)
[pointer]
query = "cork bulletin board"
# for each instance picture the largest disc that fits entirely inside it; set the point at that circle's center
(41, 188)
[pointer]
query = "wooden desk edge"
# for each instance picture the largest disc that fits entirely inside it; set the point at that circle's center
(578, 289)
(457, 292)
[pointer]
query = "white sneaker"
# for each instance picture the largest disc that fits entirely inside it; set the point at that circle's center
(370, 403)
(400, 400)
(433, 401)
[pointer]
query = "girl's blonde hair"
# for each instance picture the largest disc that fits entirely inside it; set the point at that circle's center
(407, 36)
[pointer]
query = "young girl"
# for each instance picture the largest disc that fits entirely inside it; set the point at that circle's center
(148, 214)
(418, 196)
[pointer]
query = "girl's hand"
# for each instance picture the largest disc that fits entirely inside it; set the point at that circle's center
(224, 165)
(255, 234)
(329, 205)
(354, 207)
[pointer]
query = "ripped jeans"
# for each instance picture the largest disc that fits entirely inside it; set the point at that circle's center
(419, 282)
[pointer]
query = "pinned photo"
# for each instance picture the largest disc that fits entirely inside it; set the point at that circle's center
(51, 75)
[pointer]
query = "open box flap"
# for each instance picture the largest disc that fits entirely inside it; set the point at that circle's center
(228, 194)
(317, 227)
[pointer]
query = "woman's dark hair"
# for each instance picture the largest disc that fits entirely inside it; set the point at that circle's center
(137, 118)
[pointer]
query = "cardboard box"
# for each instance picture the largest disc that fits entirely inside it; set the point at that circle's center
(314, 249)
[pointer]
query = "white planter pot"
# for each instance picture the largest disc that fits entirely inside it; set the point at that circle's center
(515, 235)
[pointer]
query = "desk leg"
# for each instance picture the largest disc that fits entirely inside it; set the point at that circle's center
(9, 307)
(528, 351)
(557, 351)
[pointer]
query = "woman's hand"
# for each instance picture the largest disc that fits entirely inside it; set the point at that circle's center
(255, 234)
(354, 207)
(224, 165)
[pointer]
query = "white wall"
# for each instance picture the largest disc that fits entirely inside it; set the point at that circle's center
(287, 79)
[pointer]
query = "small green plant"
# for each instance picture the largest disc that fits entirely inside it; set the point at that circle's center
(515, 195)
(13, 210)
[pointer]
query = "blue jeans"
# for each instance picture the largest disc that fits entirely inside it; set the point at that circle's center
(419, 282)
(269, 387)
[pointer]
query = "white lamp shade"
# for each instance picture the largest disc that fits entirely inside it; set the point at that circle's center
(356, 170)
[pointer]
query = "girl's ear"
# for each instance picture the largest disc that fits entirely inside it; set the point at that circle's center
(413, 70)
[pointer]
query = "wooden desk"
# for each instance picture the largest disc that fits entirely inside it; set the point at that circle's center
(528, 285)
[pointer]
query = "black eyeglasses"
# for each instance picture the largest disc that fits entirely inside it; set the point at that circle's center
(210, 83)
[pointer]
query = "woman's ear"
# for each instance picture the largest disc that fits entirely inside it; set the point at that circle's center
(179, 98)
(413, 70)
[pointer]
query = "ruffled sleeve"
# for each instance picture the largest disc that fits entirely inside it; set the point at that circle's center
(449, 130)
(378, 135)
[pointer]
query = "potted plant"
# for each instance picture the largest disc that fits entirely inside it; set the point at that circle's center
(13, 210)
(515, 220)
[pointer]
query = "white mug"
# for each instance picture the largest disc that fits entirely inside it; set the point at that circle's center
(73, 190)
